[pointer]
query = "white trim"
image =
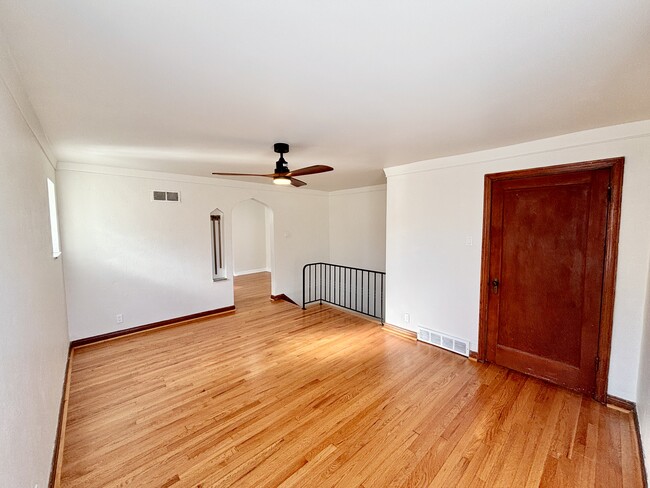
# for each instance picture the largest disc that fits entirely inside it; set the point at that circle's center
(12, 80)
(54, 218)
(252, 271)
(362, 189)
(631, 130)
(175, 177)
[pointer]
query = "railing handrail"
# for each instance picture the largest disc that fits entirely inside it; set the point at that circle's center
(357, 289)
(343, 266)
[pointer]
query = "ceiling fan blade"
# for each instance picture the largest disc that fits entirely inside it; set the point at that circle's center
(296, 182)
(310, 170)
(242, 174)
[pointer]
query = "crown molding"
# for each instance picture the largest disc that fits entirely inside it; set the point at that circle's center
(630, 130)
(362, 189)
(179, 178)
(11, 79)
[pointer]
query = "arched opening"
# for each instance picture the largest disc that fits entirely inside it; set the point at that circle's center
(252, 250)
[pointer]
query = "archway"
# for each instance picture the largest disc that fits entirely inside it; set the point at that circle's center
(253, 253)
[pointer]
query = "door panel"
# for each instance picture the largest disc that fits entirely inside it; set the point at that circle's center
(547, 249)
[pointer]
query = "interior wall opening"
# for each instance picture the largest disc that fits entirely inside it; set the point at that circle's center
(217, 245)
(252, 245)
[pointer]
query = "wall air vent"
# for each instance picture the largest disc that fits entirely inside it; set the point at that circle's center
(165, 196)
(445, 341)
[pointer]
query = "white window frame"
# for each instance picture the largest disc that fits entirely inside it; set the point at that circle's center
(54, 219)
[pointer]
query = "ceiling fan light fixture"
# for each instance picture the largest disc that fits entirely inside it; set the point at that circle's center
(282, 174)
(282, 180)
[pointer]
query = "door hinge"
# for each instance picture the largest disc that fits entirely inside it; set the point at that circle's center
(597, 363)
(609, 193)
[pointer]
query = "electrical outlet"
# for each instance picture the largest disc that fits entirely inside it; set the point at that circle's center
(407, 318)
(119, 318)
(469, 241)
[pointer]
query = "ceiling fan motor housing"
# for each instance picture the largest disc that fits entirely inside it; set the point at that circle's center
(281, 148)
(281, 166)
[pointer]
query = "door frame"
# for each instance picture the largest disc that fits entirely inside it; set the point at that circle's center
(615, 165)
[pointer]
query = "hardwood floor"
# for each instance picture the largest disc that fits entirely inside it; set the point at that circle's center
(275, 396)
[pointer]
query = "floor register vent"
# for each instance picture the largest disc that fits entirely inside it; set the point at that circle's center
(453, 344)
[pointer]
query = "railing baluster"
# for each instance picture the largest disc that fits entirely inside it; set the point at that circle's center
(304, 302)
(339, 299)
(382, 299)
(360, 305)
(350, 289)
(368, 295)
(335, 288)
(356, 289)
(345, 288)
(329, 277)
(374, 301)
(327, 282)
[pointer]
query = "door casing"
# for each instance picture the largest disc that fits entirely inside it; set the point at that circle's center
(615, 165)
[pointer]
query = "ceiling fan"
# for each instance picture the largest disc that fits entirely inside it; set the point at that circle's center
(282, 175)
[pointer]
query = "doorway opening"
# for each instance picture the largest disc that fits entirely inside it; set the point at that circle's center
(548, 272)
(253, 251)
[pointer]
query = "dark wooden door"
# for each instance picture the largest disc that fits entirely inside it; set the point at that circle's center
(546, 262)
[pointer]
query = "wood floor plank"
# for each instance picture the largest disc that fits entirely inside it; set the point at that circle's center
(272, 395)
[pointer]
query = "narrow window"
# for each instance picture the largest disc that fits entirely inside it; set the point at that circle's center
(54, 221)
(218, 265)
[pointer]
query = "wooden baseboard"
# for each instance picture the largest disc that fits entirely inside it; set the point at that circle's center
(407, 334)
(142, 328)
(630, 407)
(282, 296)
(621, 404)
(57, 455)
(644, 471)
(473, 355)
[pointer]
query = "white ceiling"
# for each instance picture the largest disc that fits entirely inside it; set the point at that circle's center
(200, 85)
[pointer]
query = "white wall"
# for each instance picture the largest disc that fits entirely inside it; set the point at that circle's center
(357, 223)
(249, 240)
(33, 331)
(434, 206)
(151, 261)
(643, 392)
(268, 235)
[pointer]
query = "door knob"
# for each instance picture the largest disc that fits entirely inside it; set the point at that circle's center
(495, 285)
